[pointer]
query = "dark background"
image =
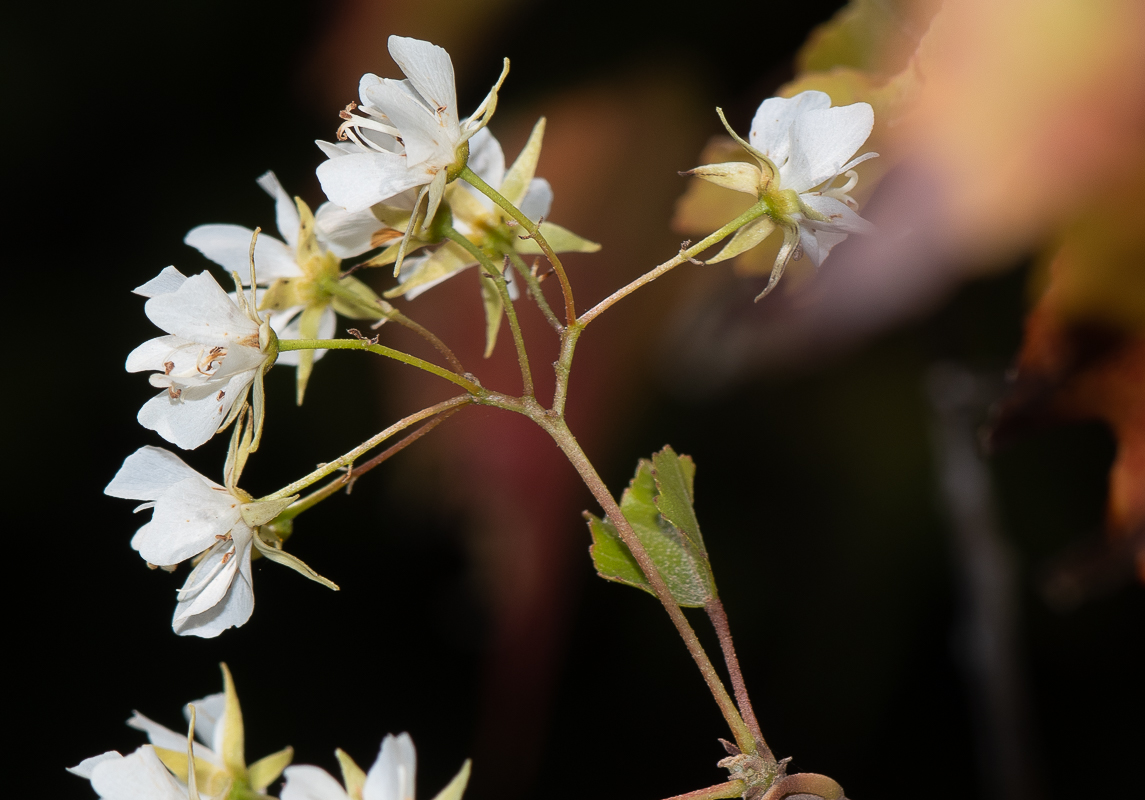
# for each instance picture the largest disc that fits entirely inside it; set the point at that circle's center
(129, 124)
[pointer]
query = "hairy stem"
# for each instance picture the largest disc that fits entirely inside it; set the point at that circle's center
(754, 212)
(499, 281)
(352, 456)
(474, 180)
(719, 618)
(564, 438)
(381, 350)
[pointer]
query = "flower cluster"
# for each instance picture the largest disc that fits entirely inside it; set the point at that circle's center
(208, 762)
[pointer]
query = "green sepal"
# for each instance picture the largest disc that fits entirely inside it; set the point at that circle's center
(352, 775)
(279, 556)
(445, 260)
(681, 563)
(232, 722)
(494, 311)
(562, 240)
(356, 300)
(266, 770)
(456, 787)
(260, 513)
(209, 779)
(735, 175)
(745, 239)
(307, 329)
(515, 184)
(286, 293)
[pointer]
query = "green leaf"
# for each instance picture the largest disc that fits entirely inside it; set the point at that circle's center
(682, 565)
(675, 478)
(560, 239)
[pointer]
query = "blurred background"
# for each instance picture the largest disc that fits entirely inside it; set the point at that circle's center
(913, 618)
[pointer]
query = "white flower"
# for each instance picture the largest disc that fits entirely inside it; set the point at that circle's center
(390, 778)
(405, 134)
(217, 348)
(138, 776)
(192, 515)
(803, 146)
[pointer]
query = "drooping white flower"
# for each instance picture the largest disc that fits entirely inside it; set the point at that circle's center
(196, 518)
(802, 146)
(138, 776)
(404, 134)
(216, 348)
(391, 777)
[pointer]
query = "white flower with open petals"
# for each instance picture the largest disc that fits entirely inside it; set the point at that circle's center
(405, 134)
(802, 146)
(216, 349)
(390, 778)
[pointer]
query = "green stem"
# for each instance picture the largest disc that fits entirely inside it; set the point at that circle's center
(534, 288)
(502, 289)
(381, 350)
(474, 180)
(564, 438)
(718, 792)
(563, 368)
(756, 211)
(384, 310)
(352, 456)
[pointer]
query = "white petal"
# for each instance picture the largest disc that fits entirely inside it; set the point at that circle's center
(426, 136)
(84, 768)
(193, 418)
(346, 234)
(843, 219)
(487, 159)
(229, 246)
(162, 736)
(393, 773)
(167, 281)
(304, 782)
(771, 126)
(232, 611)
(187, 519)
(139, 776)
(339, 149)
(359, 180)
(285, 211)
(822, 140)
(817, 245)
(430, 70)
(538, 200)
(149, 472)
(201, 311)
(154, 353)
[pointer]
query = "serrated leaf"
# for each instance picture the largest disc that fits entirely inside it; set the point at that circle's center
(562, 240)
(675, 493)
(682, 566)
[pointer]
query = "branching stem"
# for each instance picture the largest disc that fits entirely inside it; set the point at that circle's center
(352, 456)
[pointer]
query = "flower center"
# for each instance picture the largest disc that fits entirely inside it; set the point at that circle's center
(356, 127)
